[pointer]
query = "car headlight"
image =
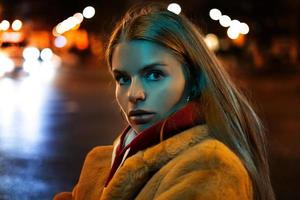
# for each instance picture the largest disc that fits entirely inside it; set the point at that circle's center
(6, 64)
(31, 53)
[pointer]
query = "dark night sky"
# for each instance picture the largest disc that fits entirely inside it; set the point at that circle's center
(52, 12)
(279, 15)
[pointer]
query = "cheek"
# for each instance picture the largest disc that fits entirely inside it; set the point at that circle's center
(176, 91)
(120, 97)
(169, 93)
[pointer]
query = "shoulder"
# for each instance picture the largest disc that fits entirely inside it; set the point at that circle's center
(94, 171)
(211, 168)
(98, 157)
(99, 153)
(213, 155)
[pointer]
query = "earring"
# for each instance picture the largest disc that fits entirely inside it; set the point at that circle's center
(187, 98)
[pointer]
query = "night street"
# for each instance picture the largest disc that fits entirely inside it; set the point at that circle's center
(47, 128)
(57, 97)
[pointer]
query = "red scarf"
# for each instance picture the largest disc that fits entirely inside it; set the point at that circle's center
(181, 120)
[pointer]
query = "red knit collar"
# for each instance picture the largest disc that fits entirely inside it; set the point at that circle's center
(188, 116)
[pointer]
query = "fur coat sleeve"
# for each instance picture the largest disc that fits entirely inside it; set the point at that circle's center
(189, 166)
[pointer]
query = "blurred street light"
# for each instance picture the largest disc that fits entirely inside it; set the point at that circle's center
(212, 42)
(225, 21)
(244, 28)
(175, 8)
(68, 24)
(79, 17)
(59, 28)
(60, 41)
(4, 26)
(235, 27)
(65, 26)
(232, 33)
(46, 54)
(235, 24)
(89, 12)
(215, 14)
(16, 25)
(54, 31)
(31, 53)
(73, 22)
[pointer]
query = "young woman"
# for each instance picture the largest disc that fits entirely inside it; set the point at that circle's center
(191, 133)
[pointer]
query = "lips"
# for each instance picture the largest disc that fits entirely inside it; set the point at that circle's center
(140, 116)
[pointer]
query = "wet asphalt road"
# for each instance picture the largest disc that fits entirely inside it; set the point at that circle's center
(48, 126)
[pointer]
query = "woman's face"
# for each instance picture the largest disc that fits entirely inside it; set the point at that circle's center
(150, 82)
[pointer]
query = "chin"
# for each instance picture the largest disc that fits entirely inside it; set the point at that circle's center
(140, 128)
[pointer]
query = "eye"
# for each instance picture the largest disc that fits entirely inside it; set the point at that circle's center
(155, 75)
(122, 80)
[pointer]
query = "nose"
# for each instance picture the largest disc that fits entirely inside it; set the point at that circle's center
(136, 91)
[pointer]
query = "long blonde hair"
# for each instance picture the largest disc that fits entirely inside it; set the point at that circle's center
(227, 111)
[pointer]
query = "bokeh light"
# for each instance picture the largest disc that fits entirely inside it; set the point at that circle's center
(31, 53)
(232, 32)
(89, 12)
(234, 29)
(244, 28)
(225, 21)
(46, 54)
(70, 22)
(235, 24)
(215, 14)
(4, 26)
(59, 29)
(79, 17)
(212, 42)
(60, 41)
(175, 8)
(17, 25)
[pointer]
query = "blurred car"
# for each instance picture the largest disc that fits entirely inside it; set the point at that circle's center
(17, 58)
(6, 64)
(14, 51)
(11, 52)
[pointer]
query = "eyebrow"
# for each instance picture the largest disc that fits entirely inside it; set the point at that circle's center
(145, 68)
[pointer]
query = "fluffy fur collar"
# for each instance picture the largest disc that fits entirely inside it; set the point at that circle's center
(138, 169)
(188, 116)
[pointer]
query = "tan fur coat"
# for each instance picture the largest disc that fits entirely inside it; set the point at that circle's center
(187, 166)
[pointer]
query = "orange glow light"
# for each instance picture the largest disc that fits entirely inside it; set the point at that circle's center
(240, 41)
(12, 37)
(82, 41)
